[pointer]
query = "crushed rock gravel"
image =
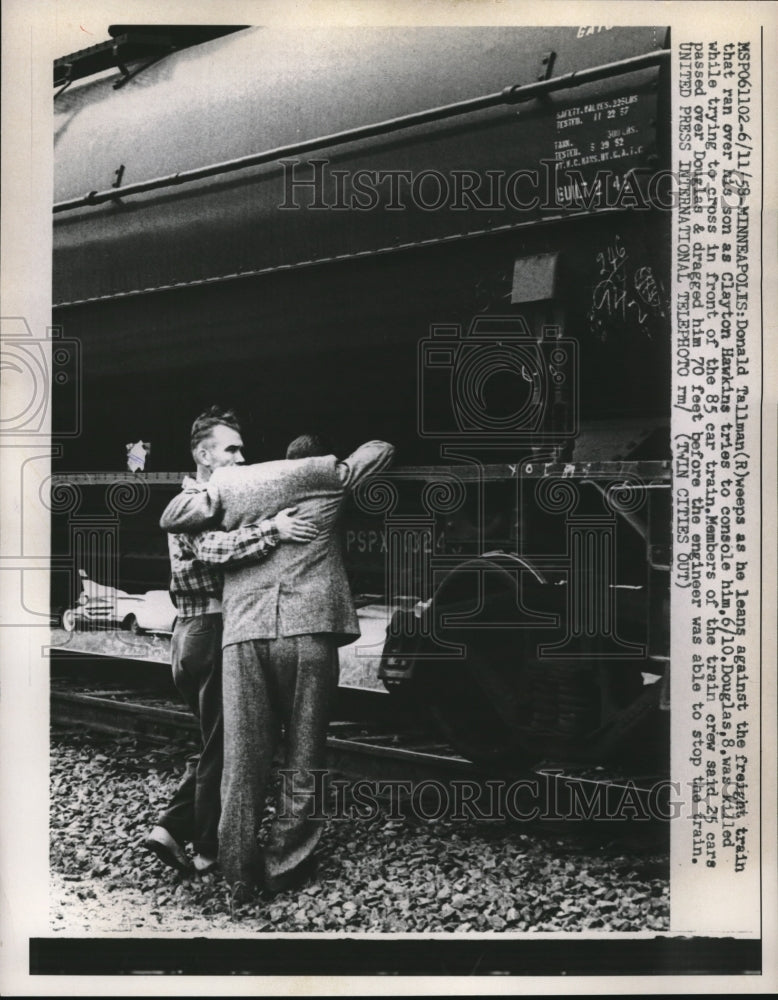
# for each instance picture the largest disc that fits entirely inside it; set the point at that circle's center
(376, 875)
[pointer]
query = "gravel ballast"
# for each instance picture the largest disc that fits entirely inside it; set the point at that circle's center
(380, 875)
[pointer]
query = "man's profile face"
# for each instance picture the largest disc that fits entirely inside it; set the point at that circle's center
(223, 447)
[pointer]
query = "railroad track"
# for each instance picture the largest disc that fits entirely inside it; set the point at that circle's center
(353, 749)
(382, 753)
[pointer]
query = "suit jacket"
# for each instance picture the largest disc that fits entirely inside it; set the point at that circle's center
(299, 589)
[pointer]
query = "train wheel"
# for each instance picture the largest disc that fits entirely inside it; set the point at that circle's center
(482, 701)
(476, 711)
(69, 620)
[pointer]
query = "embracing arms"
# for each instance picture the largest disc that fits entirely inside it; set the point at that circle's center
(253, 541)
(195, 508)
(198, 506)
(369, 458)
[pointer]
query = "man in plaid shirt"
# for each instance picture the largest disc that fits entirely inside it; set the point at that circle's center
(196, 560)
(196, 563)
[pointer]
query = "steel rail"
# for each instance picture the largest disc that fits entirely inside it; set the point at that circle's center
(403, 757)
(112, 715)
(375, 757)
(512, 94)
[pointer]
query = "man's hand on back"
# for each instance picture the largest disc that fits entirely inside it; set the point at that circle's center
(294, 529)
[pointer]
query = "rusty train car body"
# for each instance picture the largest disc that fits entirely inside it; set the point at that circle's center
(453, 239)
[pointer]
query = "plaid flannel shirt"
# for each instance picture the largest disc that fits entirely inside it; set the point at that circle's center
(196, 560)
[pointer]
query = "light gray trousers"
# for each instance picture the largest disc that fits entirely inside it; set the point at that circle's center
(268, 684)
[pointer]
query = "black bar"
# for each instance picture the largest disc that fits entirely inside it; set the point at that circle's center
(310, 957)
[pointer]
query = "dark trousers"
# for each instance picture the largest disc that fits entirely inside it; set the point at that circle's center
(193, 812)
(270, 683)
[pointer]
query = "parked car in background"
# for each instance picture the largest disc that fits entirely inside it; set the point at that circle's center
(100, 606)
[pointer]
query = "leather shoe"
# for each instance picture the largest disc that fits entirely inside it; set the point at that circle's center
(203, 865)
(168, 850)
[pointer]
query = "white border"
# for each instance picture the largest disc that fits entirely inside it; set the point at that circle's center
(33, 34)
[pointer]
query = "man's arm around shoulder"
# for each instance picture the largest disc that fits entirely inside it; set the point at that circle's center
(371, 457)
(195, 508)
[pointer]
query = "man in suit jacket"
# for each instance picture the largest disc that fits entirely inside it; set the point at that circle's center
(283, 621)
(196, 563)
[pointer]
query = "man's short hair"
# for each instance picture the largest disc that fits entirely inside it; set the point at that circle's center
(308, 446)
(214, 416)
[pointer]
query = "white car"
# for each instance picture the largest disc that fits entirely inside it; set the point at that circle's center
(108, 607)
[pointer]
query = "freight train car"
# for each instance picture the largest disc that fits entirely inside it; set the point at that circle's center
(453, 239)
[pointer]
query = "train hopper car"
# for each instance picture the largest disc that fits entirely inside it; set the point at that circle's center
(453, 239)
